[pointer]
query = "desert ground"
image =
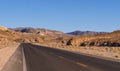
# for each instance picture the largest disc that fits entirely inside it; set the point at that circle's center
(103, 45)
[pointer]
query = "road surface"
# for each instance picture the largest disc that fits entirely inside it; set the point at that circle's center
(39, 58)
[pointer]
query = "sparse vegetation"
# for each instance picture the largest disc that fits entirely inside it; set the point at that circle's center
(107, 45)
(109, 39)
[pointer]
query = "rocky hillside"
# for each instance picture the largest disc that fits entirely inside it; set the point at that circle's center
(43, 36)
(30, 35)
(5, 37)
(109, 39)
(9, 37)
(39, 31)
(85, 33)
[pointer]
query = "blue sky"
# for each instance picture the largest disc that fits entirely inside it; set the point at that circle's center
(62, 15)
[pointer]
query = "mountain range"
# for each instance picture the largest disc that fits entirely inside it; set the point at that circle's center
(85, 33)
(39, 31)
(52, 37)
(44, 32)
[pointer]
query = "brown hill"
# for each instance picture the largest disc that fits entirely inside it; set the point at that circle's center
(10, 36)
(109, 39)
(6, 38)
(39, 31)
(3, 28)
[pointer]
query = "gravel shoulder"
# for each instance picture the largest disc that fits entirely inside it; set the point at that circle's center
(6, 53)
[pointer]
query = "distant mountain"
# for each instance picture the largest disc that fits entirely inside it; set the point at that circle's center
(85, 33)
(39, 31)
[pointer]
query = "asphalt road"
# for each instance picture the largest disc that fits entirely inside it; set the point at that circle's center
(39, 58)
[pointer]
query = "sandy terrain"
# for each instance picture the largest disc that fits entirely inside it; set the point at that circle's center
(109, 52)
(112, 52)
(5, 54)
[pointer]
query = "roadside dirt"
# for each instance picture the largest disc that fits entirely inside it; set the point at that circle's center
(6, 53)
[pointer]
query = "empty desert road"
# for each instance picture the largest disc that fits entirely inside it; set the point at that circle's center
(39, 58)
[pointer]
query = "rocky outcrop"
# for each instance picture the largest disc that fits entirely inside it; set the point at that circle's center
(110, 39)
(104, 43)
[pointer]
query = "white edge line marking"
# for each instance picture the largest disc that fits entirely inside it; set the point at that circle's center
(24, 61)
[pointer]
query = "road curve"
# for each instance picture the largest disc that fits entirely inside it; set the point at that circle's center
(40, 58)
